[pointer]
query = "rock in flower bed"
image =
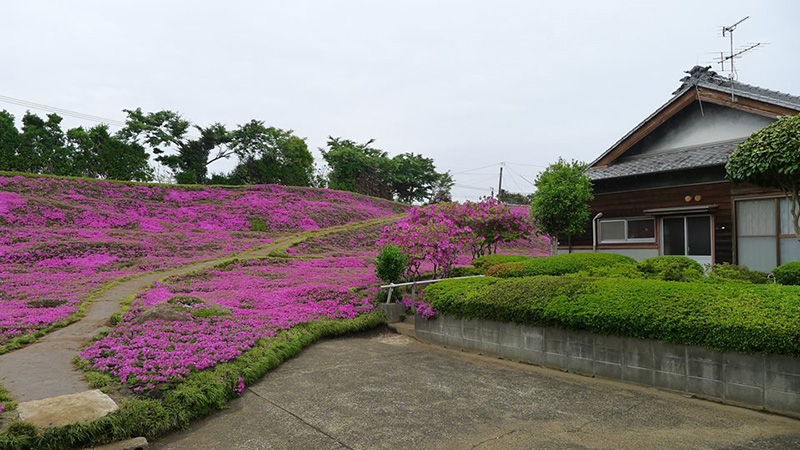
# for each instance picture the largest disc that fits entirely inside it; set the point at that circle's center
(225, 311)
(60, 239)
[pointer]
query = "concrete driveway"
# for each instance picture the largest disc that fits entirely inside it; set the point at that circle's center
(381, 390)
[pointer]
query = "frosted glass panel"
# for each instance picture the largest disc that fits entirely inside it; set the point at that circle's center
(612, 230)
(790, 250)
(755, 217)
(757, 253)
(786, 217)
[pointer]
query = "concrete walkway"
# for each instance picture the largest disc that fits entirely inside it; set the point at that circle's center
(390, 391)
(44, 369)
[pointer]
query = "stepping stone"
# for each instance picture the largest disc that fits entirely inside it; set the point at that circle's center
(138, 443)
(66, 409)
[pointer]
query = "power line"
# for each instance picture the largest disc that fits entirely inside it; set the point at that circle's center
(60, 111)
(477, 168)
(520, 175)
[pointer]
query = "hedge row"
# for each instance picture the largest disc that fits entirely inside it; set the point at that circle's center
(557, 264)
(726, 316)
(202, 394)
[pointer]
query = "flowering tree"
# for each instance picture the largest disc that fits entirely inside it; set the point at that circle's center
(438, 233)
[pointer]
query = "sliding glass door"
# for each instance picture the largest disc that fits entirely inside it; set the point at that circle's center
(688, 236)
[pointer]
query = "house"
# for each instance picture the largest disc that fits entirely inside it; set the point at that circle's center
(661, 189)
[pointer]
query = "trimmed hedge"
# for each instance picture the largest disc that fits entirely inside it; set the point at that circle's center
(731, 272)
(557, 264)
(484, 262)
(723, 316)
(671, 268)
(200, 395)
(788, 273)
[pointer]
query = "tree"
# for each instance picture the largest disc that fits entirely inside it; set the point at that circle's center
(560, 205)
(515, 198)
(98, 154)
(770, 158)
(413, 177)
(9, 142)
(271, 155)
(165, 130)
(440, 192)
(42, 146)
(358, 168)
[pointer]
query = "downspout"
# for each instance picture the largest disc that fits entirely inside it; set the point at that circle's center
(594, 231)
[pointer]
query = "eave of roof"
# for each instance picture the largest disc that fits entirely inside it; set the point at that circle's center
(702, 77)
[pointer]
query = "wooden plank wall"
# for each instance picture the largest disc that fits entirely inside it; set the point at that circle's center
(633, 204)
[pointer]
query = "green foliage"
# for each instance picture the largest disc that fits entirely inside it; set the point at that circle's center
(465, 271)
(5, 399)
(728, 316)
(515, 198)
(367, 170)
(731, 272)
(671, 268)
(440, 190)
(202, 394)
(560, 205)
(788, 273)
(257, 224)
(557, 264)
(270, 155)
(390, 264)
(484, 262)
(624, 270)
(770, 158)
(42, 147)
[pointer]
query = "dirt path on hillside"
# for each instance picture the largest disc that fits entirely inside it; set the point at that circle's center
(44, 369)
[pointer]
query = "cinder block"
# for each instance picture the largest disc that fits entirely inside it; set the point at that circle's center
(454, 327)
(782, 402)
(670, 381)
(454, 341)
(432, 325)
(743, 369)
(511, 335)
(583, 366)
(638, 353)
(533, 338)
(556, 360)
(608, 349)
(747, 395)
(782, 382)
(607, 370)
(782, 364)
(556, 342)
(532, 356)
(670, 358)
(704, 363)
(581, 345)
(637, 375)
(706, 388)
(472, 329)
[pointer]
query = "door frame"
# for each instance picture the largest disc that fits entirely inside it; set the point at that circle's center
(686, 234)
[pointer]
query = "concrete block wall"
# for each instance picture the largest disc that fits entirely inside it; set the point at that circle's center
(765, 382)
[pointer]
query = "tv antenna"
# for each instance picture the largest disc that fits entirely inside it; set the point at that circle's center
(734, 53)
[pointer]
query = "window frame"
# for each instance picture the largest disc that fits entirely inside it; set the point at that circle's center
(626, 240)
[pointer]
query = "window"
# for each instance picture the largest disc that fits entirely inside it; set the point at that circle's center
(765, 234)
(627, 230)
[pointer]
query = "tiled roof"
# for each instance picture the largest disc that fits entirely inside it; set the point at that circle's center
(705, 78)
(714, 154)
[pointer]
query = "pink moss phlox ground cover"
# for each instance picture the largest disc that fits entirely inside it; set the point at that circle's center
(60, 239)
(250, 299)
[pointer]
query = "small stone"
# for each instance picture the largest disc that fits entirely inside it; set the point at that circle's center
(138, 443)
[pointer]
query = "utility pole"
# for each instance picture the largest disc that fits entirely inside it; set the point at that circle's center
(500, 182)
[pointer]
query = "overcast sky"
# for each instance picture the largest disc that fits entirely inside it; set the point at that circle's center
(468, 83)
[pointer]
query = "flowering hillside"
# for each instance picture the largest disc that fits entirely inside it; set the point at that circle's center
(60, 239)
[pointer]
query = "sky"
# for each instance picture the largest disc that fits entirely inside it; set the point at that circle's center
(470, 84)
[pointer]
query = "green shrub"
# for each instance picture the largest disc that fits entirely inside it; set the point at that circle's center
(788, 273)
(465, 271)
(725, 316)
(615, 271)
(671, 268)
(557, 265)
(727, 271)
(492, 260)
(390, 264)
